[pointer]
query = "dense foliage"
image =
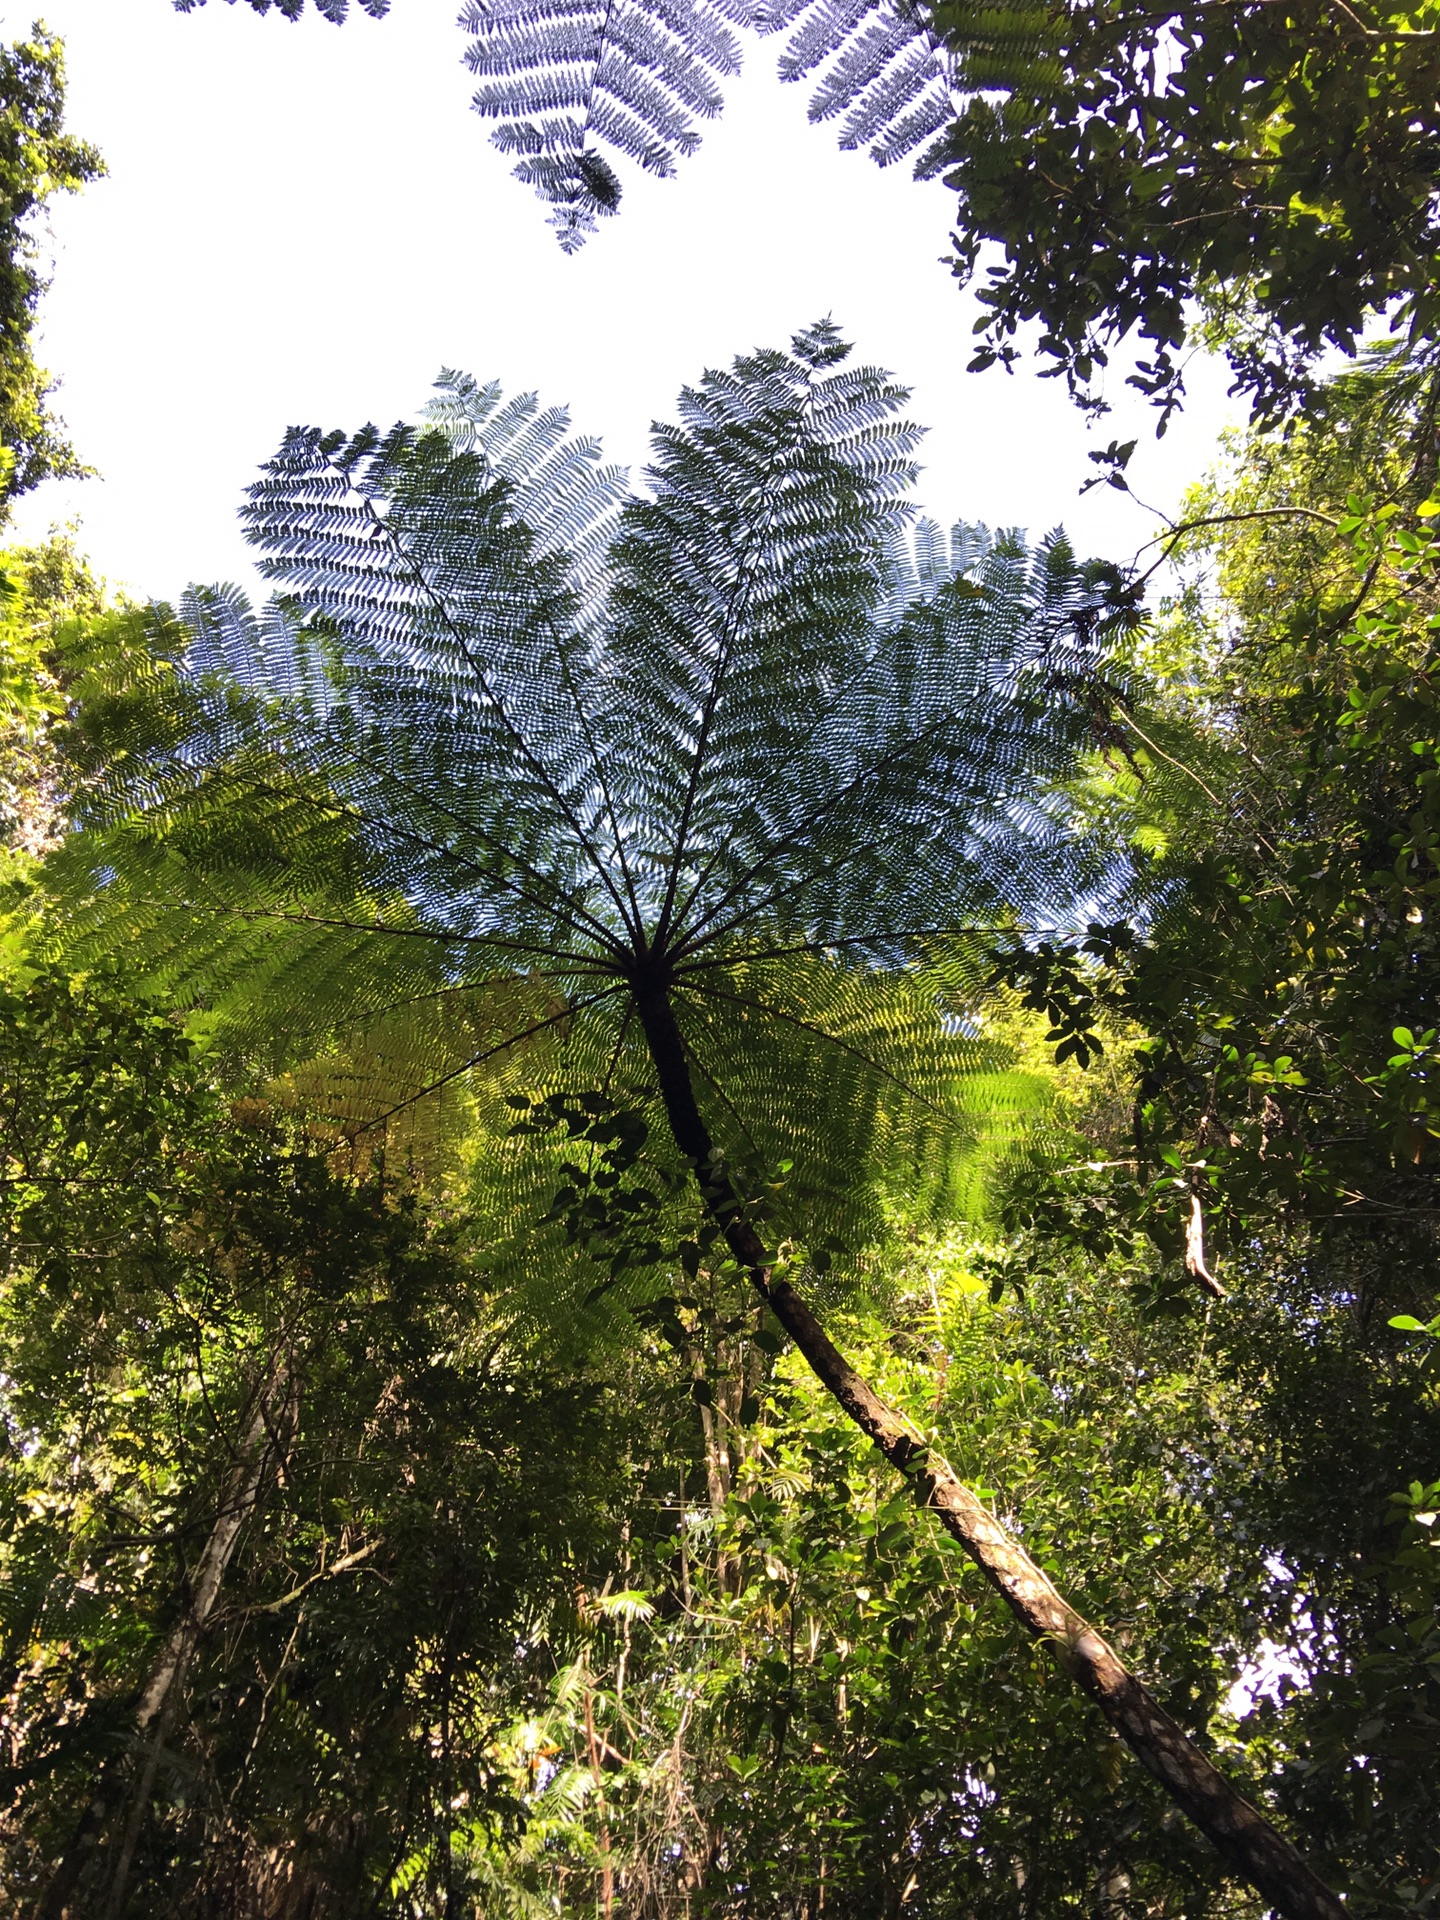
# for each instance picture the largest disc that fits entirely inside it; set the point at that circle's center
(1278, 165)
(500, 1639)
(1285, 981)
(461, 1024)
(402, 1510)
(38, 159)
(1278, 1003)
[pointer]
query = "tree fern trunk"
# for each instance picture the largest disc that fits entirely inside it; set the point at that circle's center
(1244, 1839)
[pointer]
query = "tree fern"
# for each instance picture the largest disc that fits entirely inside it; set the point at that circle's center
(480, 597)
(699, 799)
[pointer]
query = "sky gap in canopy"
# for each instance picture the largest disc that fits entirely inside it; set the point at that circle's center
(302, 224)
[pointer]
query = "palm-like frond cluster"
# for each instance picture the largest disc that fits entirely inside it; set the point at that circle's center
(519, 743)
(573, 83)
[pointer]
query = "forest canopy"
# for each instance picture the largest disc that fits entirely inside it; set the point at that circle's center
(38, 159)
(714, 1202)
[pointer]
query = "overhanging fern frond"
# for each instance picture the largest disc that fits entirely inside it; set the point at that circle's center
(883, 71)
(563, 79)
(333, 10)
(573, 86)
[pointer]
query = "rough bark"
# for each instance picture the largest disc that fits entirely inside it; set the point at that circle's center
(1245, 1840)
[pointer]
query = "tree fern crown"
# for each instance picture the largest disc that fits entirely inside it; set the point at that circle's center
(519, 743)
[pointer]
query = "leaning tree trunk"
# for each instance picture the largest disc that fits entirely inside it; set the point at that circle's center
(268, 1420)
(1248, 1844)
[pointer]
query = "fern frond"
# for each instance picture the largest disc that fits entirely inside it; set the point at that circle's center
(560, 489)
(332, 10)
(565, 78)
(572, 86)
(883, 70)
(517, 740)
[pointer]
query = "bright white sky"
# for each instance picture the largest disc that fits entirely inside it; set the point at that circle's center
(303, 223)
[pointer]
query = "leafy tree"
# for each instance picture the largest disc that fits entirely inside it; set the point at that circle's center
(44, 591)
(840, 1708)
(1277, 167)
(1286, 987)
(271, 1516)
(698, 799)
(805, 1692)
(1282, 1135)
(37, 160)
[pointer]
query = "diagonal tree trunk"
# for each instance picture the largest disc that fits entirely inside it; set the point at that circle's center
(267, 1423)
(1245, 1840)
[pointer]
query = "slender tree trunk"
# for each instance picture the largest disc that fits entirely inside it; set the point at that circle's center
(1248, 1844)
(607, 1865)
(130, 1786)
(717, 1485)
